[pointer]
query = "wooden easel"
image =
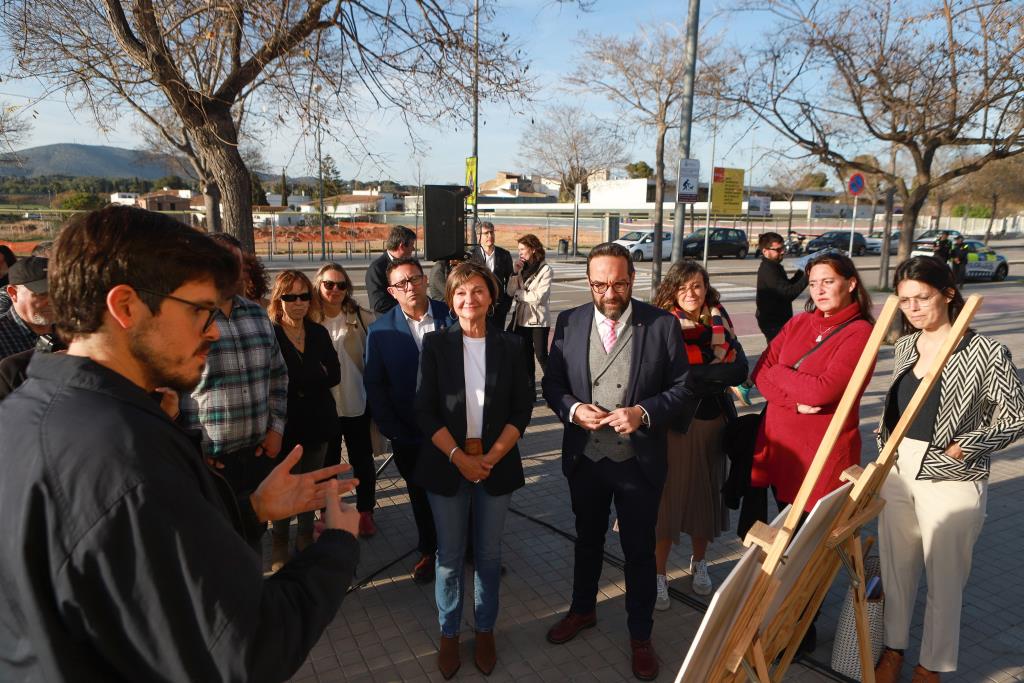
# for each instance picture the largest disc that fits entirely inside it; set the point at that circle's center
(759, 636)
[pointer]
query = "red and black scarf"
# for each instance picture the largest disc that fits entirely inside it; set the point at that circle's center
(709, 339)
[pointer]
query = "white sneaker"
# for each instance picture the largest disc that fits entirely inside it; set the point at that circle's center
(662, 602)
(701, 581)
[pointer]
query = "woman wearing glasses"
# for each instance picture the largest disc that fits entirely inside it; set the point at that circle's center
(347, 323)
(313, 369)
(935, 494)
(474, 399)
(691, 501)
(530, 289)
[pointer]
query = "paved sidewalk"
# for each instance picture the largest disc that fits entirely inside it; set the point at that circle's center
(387, 628)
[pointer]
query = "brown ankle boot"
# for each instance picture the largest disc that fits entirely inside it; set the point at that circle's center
(485, 654)
(923, 675)
(889, 667)
(448, 661)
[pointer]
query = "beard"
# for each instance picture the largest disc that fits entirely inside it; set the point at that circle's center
(166, 368)
(613, 308)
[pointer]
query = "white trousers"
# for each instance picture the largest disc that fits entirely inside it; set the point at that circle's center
(934, 525)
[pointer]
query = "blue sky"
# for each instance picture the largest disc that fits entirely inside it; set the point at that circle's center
(546, 30)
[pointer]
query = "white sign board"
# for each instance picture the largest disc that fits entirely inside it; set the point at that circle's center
(689, 177)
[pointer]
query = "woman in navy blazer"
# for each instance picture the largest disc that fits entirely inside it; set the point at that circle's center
(474, 399)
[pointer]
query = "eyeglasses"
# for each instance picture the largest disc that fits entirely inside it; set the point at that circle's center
(619, 287)
(331, 284)
(772, 249)
(907, 302)
(211, 311)
(407, 283)
(292, 298)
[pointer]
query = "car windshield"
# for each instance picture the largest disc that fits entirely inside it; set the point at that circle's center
(634, 236)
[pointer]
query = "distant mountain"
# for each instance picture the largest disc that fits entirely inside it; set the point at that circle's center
(86, 160)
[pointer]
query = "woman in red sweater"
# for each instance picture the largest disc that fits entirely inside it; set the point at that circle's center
(803, 387)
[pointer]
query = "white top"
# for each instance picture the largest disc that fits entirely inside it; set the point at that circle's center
(489, 258)
(420, 328)
(475, 369)
(349, 394)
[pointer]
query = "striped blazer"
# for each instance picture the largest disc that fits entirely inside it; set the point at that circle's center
(981, 407)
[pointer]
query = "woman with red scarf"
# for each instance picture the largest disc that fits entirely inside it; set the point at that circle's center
(803, 374)
(691, 501)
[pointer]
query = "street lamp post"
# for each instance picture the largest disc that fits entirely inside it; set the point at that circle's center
(320, 173)
(476, 115)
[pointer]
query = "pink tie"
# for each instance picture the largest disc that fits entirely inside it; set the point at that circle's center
(609, 341)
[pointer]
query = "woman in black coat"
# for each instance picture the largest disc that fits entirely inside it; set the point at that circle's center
(313, 368)
(474, 398)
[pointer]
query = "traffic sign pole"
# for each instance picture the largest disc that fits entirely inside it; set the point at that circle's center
(853, 223)
(855, 186)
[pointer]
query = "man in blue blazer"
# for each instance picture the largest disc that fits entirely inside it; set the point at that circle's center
(393, 344)
(616, 377)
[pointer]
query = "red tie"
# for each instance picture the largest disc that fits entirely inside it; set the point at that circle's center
(609, 341)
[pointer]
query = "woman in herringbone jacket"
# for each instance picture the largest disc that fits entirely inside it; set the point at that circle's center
(936, 493)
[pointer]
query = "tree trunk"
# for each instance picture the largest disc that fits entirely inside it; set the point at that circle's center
(992, 218)
(659, 198)
(217, 143)
(211, 199)
(911, 210)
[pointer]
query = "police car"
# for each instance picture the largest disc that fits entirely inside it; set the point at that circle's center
(983, 263)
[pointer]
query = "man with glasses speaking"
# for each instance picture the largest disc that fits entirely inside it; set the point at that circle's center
(393, 345)
(775, 291)
(616, 377)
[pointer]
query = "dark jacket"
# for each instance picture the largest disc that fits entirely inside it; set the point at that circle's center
(775, 294)
(502, 268)
(441, 402)
(437, 281)
(380, 299)
(389, 375)
(710, 385)
(119, 560)
(657, 381)
(14, 371)
(311, 374)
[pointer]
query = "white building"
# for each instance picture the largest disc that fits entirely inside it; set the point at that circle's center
(294, 200)
(275, 216)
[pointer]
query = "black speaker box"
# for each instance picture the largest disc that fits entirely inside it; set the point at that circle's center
(444, 221)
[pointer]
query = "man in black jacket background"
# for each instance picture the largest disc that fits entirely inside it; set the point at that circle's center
(122, 556)
(401, 243)
(499, 261)
(775, 290)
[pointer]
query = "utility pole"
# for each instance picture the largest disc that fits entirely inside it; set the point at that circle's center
(476, 116)
(320, 169)
(685, 124)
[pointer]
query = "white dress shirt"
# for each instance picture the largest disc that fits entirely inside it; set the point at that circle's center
(420, 328)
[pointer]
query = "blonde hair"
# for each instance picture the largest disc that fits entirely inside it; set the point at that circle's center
(348, 304)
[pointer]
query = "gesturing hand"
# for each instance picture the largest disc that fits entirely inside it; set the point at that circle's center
(589, 416)
(807, 410)
(283, 494)
(339, 515)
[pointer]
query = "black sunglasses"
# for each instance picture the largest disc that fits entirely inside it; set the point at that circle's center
(292, 298)
(331, 284)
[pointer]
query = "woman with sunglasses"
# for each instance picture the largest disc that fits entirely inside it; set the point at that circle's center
(346, 323)
(313, 369)
(935, 495)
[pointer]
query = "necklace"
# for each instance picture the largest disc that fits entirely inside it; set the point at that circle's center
(297, 337)
(821, 333)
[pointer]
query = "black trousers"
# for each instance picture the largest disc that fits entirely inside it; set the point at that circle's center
(356, 433)
(535, 340)
(245, 472)
(593, 487)
(770, 332)
(405, 459)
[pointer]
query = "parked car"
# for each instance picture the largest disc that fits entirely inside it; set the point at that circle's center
(640, 244)
(925, 242)
(983, 263)
(721, 242)
(801, 263)
(874, 244)
(838, 239)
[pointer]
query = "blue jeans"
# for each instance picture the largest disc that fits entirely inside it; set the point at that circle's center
(451, 517)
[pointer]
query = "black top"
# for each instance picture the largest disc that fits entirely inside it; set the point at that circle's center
(377, 292)
(14, 371)
(710, 385)
(311, 374)
(923, 426)
(775, 293)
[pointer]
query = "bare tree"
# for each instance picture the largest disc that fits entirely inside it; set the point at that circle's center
(571, 145)
(1000, 183)
(791, 175)
(13, 129)
(835, 78)
(211, 61)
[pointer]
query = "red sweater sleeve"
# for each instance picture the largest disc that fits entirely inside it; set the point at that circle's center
(771, 389)
(827, 387)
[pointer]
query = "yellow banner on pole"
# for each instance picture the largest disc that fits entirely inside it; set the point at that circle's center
(471, 179)
(727, 191)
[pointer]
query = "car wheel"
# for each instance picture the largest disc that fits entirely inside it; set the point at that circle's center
(1001, 272)
(858, 251)
(742, 253)
(638, 256)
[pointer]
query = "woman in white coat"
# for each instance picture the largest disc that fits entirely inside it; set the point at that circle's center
(530, 289)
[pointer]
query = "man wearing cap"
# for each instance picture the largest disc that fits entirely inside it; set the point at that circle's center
(30, 314)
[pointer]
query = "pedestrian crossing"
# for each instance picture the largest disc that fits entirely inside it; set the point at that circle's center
(573, 277)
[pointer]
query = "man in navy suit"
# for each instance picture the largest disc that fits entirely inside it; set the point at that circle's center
(393, 345)
(616, 377)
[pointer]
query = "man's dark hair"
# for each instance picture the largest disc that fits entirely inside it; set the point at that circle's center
(768, 239)
(226, 239)
(8, 255)
(123, 245)
(610, 249)
(398, 236)
(404, 261)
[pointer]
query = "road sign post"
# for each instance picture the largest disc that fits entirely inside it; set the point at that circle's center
(856, 187)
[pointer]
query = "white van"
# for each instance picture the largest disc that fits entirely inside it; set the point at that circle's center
(640, 244)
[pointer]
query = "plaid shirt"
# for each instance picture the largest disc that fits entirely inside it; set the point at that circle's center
(15, 335)
(243, 392)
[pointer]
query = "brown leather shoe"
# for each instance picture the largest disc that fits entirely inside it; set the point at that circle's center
(923, 675)
(366, 526)
(889, 667)
(448, 661)
(485, 655)
(569, 626)
(645, 661)
(423, 572)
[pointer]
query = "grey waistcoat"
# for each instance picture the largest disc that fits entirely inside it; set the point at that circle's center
(609, 380)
